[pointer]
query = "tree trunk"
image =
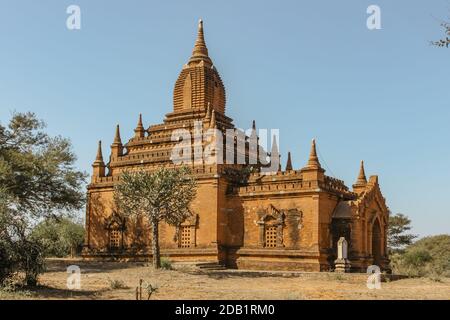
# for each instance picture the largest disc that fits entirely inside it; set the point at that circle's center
(155, 244)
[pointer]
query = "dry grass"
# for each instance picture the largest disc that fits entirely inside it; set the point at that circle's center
(184, 283)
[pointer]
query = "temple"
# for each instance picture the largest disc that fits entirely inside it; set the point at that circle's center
(244, 218)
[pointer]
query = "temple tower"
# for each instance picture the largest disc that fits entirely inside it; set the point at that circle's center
(199, 83)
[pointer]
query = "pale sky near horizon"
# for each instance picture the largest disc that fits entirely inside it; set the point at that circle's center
(310, 68)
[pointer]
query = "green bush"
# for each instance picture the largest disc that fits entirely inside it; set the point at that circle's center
(60, 237)
(166, 263)
(429, 256)
(37, 180)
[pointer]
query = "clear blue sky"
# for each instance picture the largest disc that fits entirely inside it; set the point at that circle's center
(310, 68)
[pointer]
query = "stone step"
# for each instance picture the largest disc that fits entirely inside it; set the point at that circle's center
(210, 266)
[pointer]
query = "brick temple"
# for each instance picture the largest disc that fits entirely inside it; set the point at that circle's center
(244, 218)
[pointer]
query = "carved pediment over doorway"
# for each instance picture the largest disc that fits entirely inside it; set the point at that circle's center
(115, 222)
(270, 213)
(191, 221)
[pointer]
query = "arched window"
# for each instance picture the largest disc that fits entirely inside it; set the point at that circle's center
(187, 237)
(376, 242)
(115, 225)
(187, 233)
(115, 239)
(271, 236)
(271, 223)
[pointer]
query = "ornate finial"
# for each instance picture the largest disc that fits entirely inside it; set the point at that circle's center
(362, 180)
(289, 162)
(117, 139)
(139, 131)
(200, 52)
(313, 160)
(212, 124)
(99, 157)
(254, 125)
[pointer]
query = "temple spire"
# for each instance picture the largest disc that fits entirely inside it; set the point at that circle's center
(98, 165)
(362, 180)
(313, 172)
(117, 139)
(313, 161)
(116, 146)
(99, 157)
(253, 133)
(200, 52)
(289, 162)
(275, 155)
(139, 131)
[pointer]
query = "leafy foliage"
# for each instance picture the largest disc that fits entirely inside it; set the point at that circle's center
(445, 42)
(37, 180)
(166, 263)
(161, 195)
(397, 238)
(60, 237)
(429, 256)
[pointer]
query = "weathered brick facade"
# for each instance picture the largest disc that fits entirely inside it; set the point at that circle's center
(291, 219)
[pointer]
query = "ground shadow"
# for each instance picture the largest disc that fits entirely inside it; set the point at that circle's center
(60, 265)
(48, 292)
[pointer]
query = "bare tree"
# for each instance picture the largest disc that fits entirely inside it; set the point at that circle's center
(161, 195)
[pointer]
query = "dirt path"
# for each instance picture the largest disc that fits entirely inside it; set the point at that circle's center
(185, 283)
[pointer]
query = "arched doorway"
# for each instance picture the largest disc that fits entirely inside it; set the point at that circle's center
(376, 242)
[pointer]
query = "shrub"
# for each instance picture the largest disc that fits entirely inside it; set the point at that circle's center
(166, 263)
(19, 253)
(429, 256)
(60, 237)
(417, 257)
(117, 284)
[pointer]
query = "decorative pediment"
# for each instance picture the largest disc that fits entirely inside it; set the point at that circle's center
(270, 212)
(191, 221)
(115, 221)
(371, 196)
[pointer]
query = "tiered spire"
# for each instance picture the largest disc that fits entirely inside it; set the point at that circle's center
(253, 133)
(200, 52)
(313, 161)
(313, 172)
(98, 165)
(362, 180)
(99, 157)
(139, 131)
(116, 146)
(117, 139)
(275, 154)
(289, 162)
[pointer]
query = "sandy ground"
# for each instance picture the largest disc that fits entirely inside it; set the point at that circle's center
(188, 283)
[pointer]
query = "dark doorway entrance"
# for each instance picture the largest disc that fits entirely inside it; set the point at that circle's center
(376, 243)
